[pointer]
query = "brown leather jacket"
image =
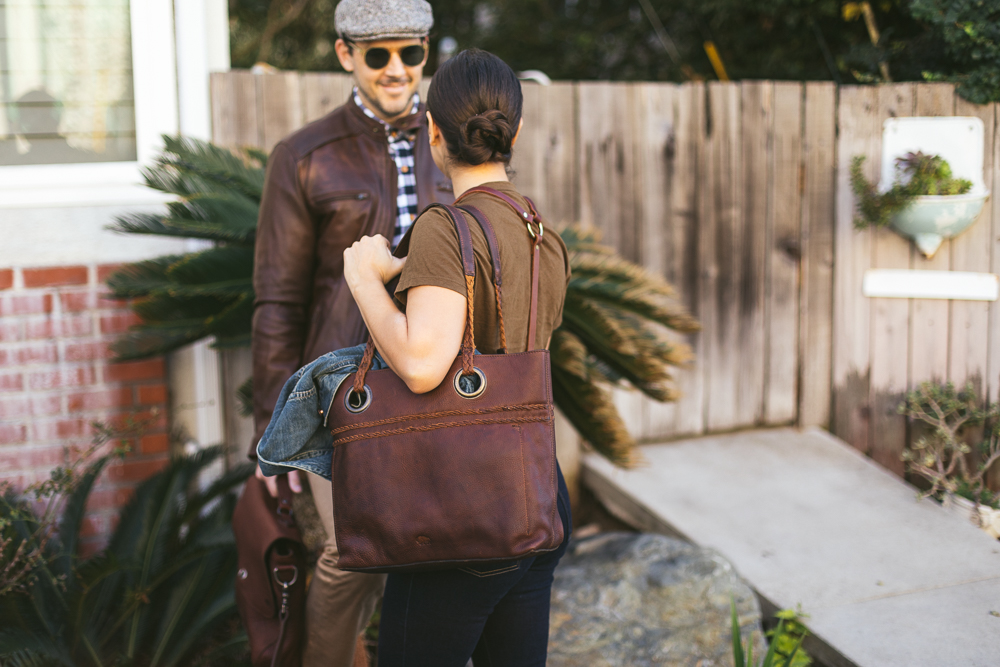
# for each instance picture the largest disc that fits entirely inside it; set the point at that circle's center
(327, 185)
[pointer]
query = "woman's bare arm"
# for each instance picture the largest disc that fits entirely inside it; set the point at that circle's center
(420, 344)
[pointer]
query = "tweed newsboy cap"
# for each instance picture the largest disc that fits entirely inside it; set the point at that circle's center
(363, 20)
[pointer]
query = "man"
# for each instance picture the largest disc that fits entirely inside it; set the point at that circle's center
(364, 169)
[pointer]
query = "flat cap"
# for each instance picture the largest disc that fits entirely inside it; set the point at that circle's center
(365, 20)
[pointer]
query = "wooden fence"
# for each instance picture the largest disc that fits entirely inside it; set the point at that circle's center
(738, 194)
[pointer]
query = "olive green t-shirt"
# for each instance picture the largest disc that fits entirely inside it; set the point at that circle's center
(434, 258)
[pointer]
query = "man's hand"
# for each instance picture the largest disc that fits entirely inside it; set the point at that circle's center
(272, 482)
(370, 259)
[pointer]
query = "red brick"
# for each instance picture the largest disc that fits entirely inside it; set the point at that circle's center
(98, 524)
(105, 270)
(55, 327)
(151, 369)
(46, 405)
(103, 499)
(14, 407)
(55, 275)
(70, 377)
(148, 394)
(120, 322)
(25, 304)
(154, 444)
(60, 429)
(87, 351)
(74, 302)
(11, 382)
(38, 353)
(102, 399)
(21, 459)
(12, 434)
(6, 278)
(11, 331)
(107, 301)
(135, 471)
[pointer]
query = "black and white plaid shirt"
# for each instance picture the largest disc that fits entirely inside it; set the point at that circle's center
(401, 152)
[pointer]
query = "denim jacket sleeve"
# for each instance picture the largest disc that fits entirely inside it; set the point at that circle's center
(297, 436)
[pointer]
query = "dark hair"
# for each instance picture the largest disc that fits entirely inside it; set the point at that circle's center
(475, 98)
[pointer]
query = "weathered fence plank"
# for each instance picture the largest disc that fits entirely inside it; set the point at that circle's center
(890, 317)
(968, 337)
(756, 226)
(687, 167)
(784, 249)
(723, 260)
(819, 147)
(606, 164)
(545, 157)
(652, 141)
(929, 317)
(280, 106)
(860, 132)
(234, 109)
(322, 93)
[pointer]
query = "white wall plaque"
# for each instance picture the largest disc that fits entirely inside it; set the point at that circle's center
(903, 284)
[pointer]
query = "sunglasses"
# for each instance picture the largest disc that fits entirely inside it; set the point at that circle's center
(378, 57)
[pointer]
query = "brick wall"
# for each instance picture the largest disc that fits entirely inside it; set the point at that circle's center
(56, 380)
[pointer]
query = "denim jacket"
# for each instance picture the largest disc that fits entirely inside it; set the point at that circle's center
(298, 436)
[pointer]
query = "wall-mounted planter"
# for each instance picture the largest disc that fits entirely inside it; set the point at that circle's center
(931, 219)
(959, 140)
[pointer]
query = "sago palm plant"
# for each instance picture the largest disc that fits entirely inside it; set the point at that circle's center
(160, 594)
(620, 322)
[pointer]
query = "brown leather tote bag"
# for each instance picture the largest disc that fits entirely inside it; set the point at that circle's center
(465, 473)
(271, 580)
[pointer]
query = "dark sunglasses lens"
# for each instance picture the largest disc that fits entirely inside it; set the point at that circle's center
(377, 58)
(412, 55)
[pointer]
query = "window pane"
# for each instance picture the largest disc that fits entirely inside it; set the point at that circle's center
(65, 82)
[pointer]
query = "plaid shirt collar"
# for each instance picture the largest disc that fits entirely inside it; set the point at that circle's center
(371, 114)
(401, 152)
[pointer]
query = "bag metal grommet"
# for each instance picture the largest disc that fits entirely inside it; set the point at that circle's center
(475, 392)
(355, 403)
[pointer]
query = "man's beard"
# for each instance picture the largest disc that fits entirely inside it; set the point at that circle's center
(373, 102)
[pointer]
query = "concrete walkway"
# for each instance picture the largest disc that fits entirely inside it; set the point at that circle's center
(809, 521)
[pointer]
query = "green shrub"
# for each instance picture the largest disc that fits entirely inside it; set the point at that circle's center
(160, 594)
(962, 445)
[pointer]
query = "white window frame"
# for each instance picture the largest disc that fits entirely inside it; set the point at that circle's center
(154, 76)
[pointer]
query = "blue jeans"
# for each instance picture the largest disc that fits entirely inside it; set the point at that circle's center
(496, 613)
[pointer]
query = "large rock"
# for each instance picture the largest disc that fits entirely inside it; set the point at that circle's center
(636, 599)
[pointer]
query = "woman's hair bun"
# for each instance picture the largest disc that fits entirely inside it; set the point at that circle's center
(485, 137)
(475, 99)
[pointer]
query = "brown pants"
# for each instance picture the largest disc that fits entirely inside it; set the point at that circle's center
(338, 603)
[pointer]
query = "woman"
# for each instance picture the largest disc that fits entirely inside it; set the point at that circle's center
(497, 615)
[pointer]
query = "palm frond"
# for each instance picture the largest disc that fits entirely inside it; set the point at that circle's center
(188, 167)
(587, 405)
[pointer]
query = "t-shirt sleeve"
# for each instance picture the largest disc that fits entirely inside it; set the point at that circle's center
(434, 256)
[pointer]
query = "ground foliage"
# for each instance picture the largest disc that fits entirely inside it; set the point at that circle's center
(917, 174)
(954, 40)
(161, 592)
(958, 444)
(620, 322)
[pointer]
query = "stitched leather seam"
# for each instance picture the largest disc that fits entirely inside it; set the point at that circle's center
(524, 481)
(433, 427)
(442, 413)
